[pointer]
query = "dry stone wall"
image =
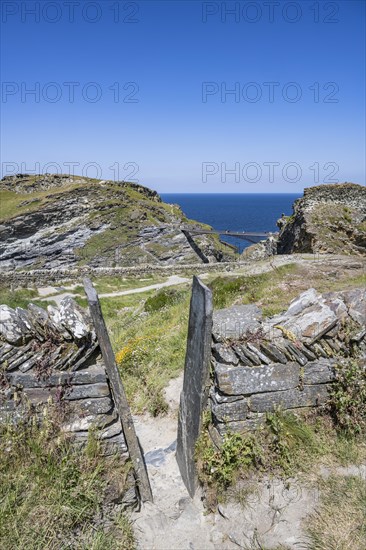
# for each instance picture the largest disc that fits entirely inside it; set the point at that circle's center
(53, 358)
(288, 360)
(38, 277)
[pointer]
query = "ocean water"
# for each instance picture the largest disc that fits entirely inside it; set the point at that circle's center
(235, 212)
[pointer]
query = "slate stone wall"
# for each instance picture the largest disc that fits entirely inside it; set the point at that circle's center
(53, 358)
(49, 276)
(288, 360)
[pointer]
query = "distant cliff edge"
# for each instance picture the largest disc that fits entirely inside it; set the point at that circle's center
(327, 219)
(60, 221)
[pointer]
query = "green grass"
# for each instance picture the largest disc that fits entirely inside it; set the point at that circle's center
(21, 297)
(148, 333)
(50, 494)
(340, 520)
(17, 298)
(148, 330)
(10, 202)
(287, 445)
(105, 285)
(119, 311)
(150, 347)
(348, 397)
(274, 291)
(249, 289)
(163, 298)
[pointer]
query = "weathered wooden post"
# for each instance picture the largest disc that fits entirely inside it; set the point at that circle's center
(118, 392)
(195, 384)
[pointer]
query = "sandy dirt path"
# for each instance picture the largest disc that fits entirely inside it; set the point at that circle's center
(271, 516)
(47, 293)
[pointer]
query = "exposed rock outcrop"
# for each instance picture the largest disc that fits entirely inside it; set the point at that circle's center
(327, 219)
(61, 221)
(262, 250)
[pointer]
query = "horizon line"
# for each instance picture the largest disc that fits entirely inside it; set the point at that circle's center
(228, 193)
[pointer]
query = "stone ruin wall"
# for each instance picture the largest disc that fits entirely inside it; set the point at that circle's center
(347, 194)
(38, 277)
(53, 358)
(286, 361)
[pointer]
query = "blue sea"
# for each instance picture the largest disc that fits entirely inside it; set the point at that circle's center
(235, 212)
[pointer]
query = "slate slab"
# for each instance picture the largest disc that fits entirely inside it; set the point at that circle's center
(313, 320)
(224, 354)
(41, 395)
(248, 380)
(92, 375)
(195, 383)
(319, 372)
(235, 322)
(295, 398)
(241, 426)
(224, 412)
(12, 328)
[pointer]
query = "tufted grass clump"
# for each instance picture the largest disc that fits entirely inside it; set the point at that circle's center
(285, 445)
(219, 468)
(163, 298)
(339, 522)
(287, 438)
(348, 397)
(17, 298)
(50, 493)
(252, 289)
(226, 289)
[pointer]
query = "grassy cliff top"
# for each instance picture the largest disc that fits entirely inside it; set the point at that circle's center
(22, 194)
(335, 190)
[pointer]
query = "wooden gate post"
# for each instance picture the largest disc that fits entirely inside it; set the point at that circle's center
(118, 392)
(194, 396)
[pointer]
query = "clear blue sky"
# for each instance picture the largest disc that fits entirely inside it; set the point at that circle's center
(179, 132)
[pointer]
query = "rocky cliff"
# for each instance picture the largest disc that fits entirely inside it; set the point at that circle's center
(327, 219)
(51, 221)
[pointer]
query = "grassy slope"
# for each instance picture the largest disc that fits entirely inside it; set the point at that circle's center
(51, 495)
(10, 201)
(333, 223)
